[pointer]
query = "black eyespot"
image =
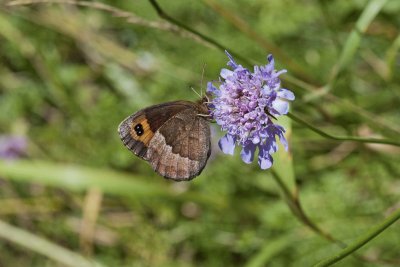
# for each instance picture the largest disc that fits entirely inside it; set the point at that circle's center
(139, 129)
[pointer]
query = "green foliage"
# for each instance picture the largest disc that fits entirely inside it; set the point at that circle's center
(69, 74)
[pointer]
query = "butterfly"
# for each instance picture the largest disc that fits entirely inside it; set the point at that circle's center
(174, 137)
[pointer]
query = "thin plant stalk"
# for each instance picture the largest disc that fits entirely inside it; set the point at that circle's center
(361, 241)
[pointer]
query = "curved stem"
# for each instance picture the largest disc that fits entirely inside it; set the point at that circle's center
(209, 40)
(342, 138)
(297, 209)
(361, 241)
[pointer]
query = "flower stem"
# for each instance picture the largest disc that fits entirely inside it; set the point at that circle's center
(297, 209)
(342, 138)
(361, 241)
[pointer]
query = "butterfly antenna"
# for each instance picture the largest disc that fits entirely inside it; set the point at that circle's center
(202, 77)
(195, 91)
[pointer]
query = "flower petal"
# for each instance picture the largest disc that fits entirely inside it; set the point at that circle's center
(247, 153)
(280, 72)
(225, 73)
(274, 130)
(212, 89)
(227, 144)
(284, 141)
(256, 139)
(270, 145)
(270, 59)
(286, 94)
(281, 106)
(264, 159)
(231, 62)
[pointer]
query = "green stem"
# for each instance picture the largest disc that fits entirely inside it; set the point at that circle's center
(205, 38)
(297, 209)
(343, 138)
(361, 241)
(354, 39)
(44, 247)
(286, 191)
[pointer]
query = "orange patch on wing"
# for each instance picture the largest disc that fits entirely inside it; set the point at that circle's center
(147, 132)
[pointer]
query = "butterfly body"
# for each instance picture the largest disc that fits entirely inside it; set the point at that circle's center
(174, 137)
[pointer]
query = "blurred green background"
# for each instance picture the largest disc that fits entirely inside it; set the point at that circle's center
(70, 191)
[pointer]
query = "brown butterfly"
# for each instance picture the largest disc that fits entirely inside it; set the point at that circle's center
(174, 137)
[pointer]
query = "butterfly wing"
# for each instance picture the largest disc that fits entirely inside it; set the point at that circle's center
(171, 136)
(180, 148)
(137, 130)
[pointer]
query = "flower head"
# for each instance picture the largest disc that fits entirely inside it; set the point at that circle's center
(245, 105)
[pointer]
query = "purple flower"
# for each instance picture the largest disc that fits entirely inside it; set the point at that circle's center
(12, 147)
(245, 105)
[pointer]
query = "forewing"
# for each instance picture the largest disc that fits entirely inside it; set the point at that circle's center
(147, 122)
